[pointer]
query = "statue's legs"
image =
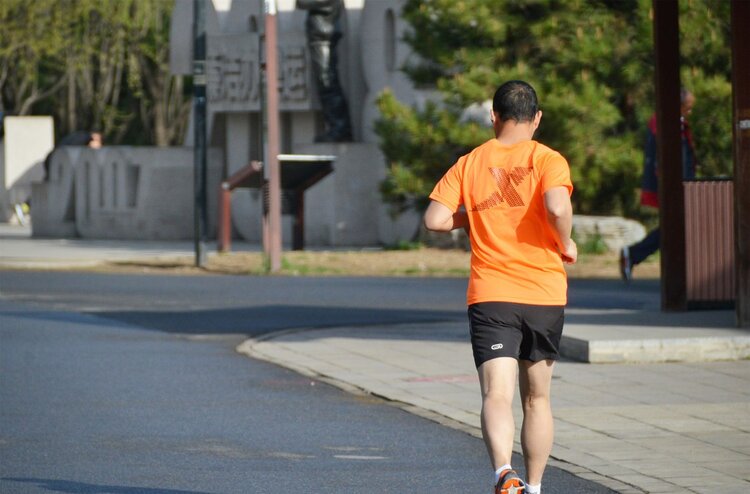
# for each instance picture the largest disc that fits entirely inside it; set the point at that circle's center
(332, 100)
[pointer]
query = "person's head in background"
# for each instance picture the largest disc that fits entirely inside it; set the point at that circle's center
(687, 100)
(96, 140)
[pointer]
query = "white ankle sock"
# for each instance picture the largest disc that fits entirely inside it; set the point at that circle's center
(501, 470)
(533, 489)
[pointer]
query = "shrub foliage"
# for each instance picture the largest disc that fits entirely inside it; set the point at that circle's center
(592, 64)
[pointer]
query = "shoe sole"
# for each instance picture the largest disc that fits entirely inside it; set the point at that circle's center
(626, 268)
(513, 486)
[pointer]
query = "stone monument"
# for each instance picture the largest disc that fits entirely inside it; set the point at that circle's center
(145, 193)
(346, 208)
(323, 31)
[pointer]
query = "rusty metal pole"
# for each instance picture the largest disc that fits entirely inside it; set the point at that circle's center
(224, 238)
(669, 157)
(740, 19)
(273, 136)
(298, 234)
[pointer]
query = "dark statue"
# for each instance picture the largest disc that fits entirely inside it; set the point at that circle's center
(323, 33)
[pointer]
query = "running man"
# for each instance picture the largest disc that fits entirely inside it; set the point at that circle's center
(513, 196)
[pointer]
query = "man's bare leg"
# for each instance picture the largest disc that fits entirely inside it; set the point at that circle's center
(497, 378)
(537, 431)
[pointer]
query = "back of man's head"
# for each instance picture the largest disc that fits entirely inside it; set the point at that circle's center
(515, 100)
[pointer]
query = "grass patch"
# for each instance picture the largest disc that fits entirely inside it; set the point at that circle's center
(590, 244)
(423, 262)
(404, 245)
(593, 245)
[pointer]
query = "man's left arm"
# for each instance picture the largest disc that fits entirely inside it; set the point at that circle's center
(558, 188)
(560, 217)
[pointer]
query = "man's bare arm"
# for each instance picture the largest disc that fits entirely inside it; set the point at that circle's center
(439, 218)
(560, 217)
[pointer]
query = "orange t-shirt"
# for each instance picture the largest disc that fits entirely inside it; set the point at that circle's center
(514, 252)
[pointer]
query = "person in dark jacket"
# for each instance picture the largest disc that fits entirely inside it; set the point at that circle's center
(91, 139)
(634, 254)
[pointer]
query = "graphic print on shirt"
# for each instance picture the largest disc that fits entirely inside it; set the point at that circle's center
(506, 183)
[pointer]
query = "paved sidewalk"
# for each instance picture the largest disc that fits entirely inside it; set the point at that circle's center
(657, 428)
(19, 250)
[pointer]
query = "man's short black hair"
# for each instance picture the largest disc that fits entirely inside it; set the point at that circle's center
(515, 100)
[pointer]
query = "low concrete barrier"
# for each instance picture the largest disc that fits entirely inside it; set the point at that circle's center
(122, 192)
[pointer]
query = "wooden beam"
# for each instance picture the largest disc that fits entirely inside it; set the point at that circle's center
(740, 19)
(669, 158)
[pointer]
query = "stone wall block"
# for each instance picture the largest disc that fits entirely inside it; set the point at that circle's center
(53, 200)
(123, 192)
(382, 31)
(616, 232)
(341, 210)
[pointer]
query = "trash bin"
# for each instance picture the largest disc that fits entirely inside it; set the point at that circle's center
(709, 243)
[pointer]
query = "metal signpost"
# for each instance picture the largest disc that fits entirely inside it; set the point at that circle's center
(199, 107)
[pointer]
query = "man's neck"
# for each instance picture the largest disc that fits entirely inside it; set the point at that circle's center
(511, 132)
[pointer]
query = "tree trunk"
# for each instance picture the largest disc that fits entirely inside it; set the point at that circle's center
(71, 113)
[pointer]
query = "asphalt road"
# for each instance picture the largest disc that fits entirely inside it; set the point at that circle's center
(130, 384)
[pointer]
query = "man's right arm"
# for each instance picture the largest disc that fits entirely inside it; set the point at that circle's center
(560, 217)
(439, 218)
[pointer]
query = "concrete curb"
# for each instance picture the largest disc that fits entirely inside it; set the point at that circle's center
(658, 350)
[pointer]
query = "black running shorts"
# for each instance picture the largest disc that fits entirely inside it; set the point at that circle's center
(521, 331)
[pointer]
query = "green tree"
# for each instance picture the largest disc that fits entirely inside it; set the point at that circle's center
(706, 70)
(592, 65)
(31, 54)
(416, 146)
(164, 105)
(93, 64)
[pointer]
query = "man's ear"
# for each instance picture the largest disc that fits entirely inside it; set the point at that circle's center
(538, 118)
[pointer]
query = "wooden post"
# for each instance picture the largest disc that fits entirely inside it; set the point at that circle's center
(740, 20)
(669, 157)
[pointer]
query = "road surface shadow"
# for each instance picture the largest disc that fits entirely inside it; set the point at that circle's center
(259, 320)
(56, 485)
